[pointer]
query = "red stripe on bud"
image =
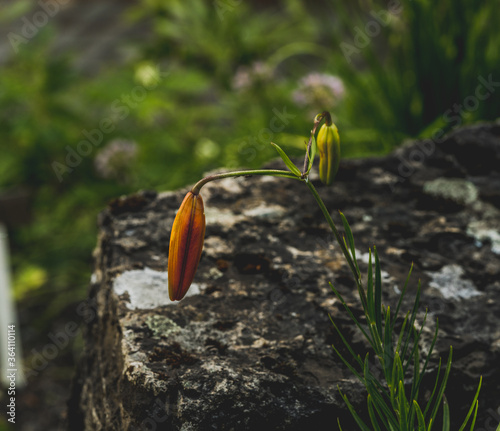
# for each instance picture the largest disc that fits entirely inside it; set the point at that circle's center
(186, 245)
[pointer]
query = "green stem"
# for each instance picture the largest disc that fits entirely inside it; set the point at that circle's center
(272, 172)
(317, 120)
(329, 219)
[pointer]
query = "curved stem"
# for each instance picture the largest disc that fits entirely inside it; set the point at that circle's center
(272, 172)
(317, 120)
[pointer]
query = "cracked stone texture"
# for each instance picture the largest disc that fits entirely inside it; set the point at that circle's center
(250, 346)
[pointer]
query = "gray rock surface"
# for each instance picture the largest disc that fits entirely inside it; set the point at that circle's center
(250, 347)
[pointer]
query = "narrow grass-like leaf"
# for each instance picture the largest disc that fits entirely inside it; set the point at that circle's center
(378, 293)
(356, 417)
(377, 392)
(350, 240)
(351, 315)
(411, 322)
(294, 169)
(475, 417)
(388, 348)
(474, 405)
(414, 383)
(429, 403)
(402, 333)
(371, 412)
(443, 386)
(369, 288)
(348, 365)
(356, 357)
(403, 407)
(420, 416)
(403, 292)
(446, 415)
(424, 368)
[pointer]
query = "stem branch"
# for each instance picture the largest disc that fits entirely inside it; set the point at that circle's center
(272, 172)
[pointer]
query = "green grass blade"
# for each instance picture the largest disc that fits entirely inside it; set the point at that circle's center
(378, 293)
(431, 349)
(369, 289)
(475, 417)
(473, 405)
(443, 386)
(446, 415)
(403, 292)
(350, 240)
(420, 416)
(412, 322)
(388, 348)
(351, 315)
(358, 420)
(371, 412)
(429, 403)
(356, 357)
(403, 407)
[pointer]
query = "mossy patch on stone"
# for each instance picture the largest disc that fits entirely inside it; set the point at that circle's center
(161, 326)
(454, 189)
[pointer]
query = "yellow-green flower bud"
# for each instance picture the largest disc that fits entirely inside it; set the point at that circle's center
(328, 143)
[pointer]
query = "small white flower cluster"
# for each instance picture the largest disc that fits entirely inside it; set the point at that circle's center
(319, 91)
(248, 76)
(115, 159)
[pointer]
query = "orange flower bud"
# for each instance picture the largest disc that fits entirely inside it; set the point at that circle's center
(186, 244)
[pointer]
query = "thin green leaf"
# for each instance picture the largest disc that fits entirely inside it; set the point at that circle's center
(356, 357)
(369, 288)
(412, 321)
(350, 239)
(403, 407)
(388, 350)
(403, 292)
(371, 412)
(378, 293)
(358, 420)
(446, 415)
(429, 403)
(475, 417)
(351, 315)
(424, 368)
(420, 416)
(294, 169)
(472, 407)
(443, 386)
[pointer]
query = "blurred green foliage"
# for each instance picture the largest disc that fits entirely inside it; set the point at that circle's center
(409, 64)
(211, 87)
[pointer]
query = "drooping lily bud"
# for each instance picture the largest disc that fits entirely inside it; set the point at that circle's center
(186, 245)
(328, 143)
